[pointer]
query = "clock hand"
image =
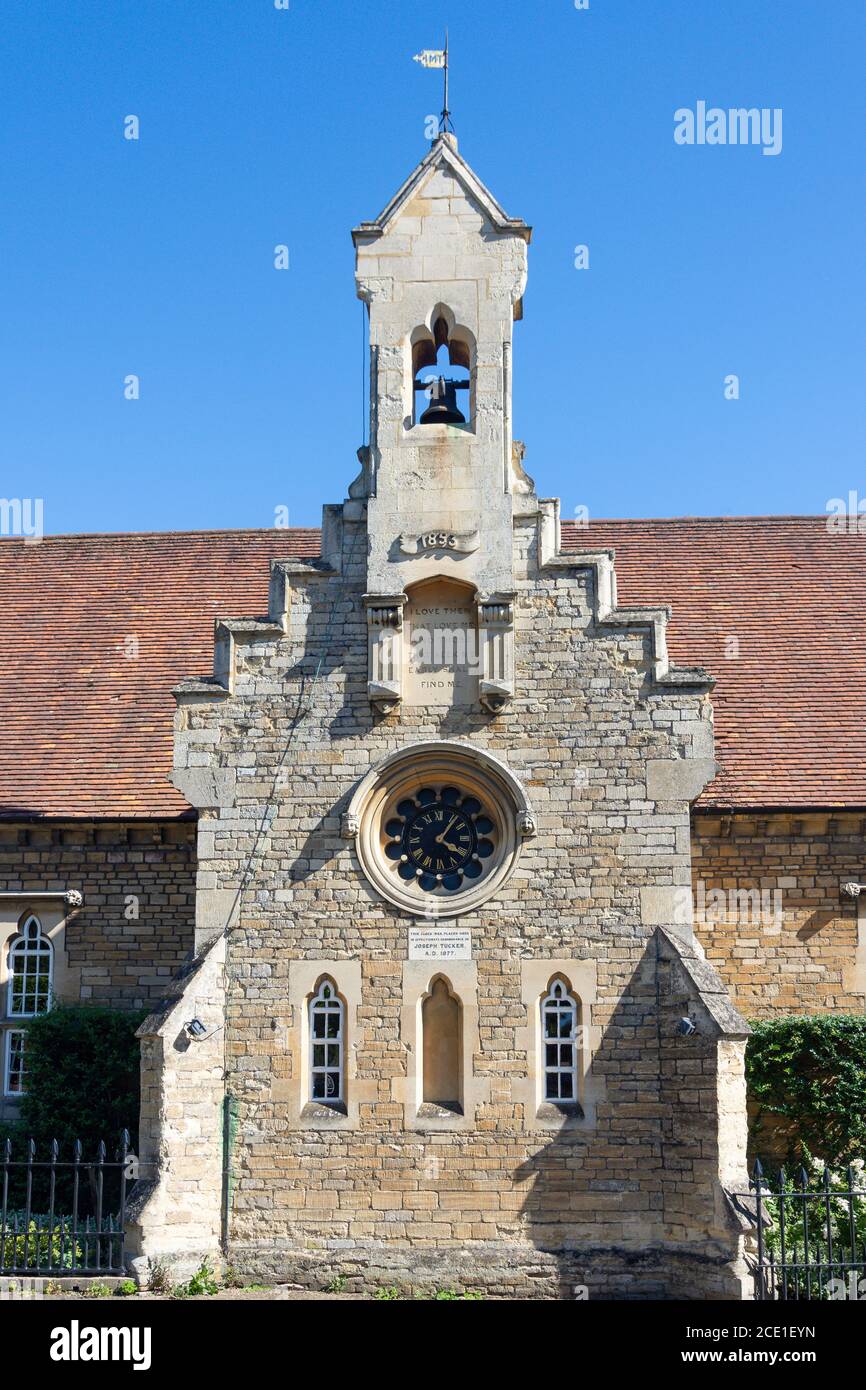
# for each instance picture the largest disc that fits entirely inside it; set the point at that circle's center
(440, 838)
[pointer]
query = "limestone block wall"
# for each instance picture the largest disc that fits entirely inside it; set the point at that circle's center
(506, 1203)
(770, 913)
(446, 252)
(175, 1211)
(702, 1097)
(138, 882)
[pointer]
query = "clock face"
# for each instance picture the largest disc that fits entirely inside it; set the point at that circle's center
(440, 838)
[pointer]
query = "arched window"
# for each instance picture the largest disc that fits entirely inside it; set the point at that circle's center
(440, 1030)
(559, 1040)
(31, 961)
(441, 374)
(327, 1044)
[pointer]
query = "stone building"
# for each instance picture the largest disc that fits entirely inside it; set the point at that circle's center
(452, 908)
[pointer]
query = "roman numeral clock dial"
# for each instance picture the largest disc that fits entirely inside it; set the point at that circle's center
(440, 839)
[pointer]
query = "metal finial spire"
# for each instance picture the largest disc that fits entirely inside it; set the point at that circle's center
(445, 122)
(438, 58)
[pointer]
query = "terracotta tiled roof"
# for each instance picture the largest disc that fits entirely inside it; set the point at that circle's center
(790, 693)
(85, 729)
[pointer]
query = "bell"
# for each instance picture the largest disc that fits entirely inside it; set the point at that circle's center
(443, 408)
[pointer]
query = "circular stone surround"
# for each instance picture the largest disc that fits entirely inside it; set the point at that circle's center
(487, 802)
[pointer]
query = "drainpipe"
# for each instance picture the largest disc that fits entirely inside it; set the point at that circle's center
(230, 1128)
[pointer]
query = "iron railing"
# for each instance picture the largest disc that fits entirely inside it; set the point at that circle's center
(811, 1235)
(64, 1216)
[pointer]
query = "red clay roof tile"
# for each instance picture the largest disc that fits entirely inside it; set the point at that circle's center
(85, 729)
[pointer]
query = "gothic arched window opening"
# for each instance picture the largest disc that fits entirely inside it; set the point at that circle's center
(441, 380)
(440, 1031)
(559, 1038)
(327, 1045)
(31, 966)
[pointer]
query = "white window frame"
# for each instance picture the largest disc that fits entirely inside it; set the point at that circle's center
(556, 1002)
(21, 950)
(326, 1003)
(7, 1063)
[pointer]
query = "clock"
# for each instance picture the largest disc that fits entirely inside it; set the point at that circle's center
(438, 828)
(440, 839)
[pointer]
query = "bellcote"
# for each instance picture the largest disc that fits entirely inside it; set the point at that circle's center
(442, 271)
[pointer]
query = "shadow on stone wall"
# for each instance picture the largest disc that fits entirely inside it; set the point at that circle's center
(593, 1199)
(633, 1207)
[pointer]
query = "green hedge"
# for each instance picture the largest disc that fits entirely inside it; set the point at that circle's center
(82, 1077)
(807, 1073)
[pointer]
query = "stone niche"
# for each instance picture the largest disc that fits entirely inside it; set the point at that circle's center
(442, 665)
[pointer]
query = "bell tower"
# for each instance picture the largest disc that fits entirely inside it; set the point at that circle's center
(442, 271)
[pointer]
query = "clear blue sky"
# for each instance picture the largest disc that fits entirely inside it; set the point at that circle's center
(261, 126)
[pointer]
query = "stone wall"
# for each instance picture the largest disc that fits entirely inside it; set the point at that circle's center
(509, 1203)
(702, 1098)
(175, 1212)
(770, 913)
(808, 957)
(604, 746)
(138, 882)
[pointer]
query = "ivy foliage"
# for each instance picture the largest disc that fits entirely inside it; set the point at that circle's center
(82, 1078)
(810, 1071)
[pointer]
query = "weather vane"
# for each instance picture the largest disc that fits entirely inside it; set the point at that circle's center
(438, 58)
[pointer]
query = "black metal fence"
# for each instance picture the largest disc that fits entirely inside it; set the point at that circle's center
(811, 1235)
(64, 1216)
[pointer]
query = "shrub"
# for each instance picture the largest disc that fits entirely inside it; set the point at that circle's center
(31, 1245)
(9, 1130)
(807, 1224)
(16, 1193)
(82, 1078)
(811, 1072)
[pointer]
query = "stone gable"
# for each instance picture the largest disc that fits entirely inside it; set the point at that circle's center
(572, 744)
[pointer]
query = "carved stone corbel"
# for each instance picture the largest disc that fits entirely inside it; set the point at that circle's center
(496, 651)
(385, 650)
(526, 824)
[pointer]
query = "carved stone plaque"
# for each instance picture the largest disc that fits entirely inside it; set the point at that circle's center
(442, 646)
(464, 542)
(440, 943)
